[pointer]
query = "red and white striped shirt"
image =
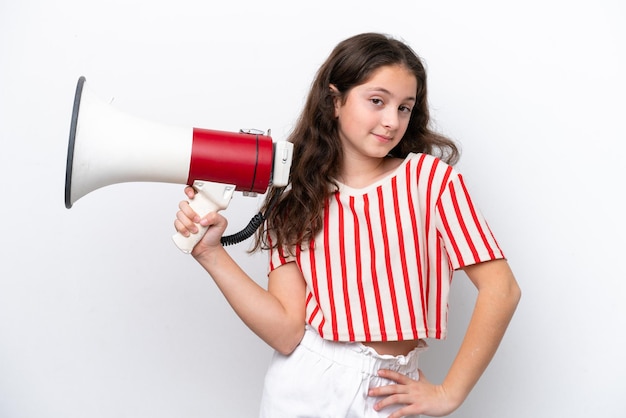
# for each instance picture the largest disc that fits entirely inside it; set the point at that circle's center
(381, 268)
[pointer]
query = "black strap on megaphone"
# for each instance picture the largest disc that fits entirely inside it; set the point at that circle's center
(254, 224)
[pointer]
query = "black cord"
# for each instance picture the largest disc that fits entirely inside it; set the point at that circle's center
(245, 233)
(254, 224)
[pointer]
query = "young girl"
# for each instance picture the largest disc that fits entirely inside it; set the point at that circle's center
(362, 247)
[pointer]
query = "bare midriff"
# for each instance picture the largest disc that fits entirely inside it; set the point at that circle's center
(394, 348)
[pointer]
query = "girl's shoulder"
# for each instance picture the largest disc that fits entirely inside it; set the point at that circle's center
(422, 161)
(429, 173)
(420, 156)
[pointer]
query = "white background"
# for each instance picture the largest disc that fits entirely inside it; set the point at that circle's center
(101, 316)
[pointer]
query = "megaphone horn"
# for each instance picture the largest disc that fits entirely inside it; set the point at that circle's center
(107, 146)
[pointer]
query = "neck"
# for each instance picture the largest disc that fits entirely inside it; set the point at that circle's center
(359, 173)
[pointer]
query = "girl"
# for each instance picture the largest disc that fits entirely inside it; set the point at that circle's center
(362, 247)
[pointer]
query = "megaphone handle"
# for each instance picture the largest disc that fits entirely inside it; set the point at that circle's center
(210, 197)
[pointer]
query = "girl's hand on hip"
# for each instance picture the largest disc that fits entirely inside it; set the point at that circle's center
(419, 396)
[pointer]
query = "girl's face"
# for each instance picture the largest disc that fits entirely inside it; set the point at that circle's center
(374, 116)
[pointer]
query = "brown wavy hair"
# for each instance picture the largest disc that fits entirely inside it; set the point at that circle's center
(295, 214)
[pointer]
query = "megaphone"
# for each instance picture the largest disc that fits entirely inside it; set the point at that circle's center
(107, 146)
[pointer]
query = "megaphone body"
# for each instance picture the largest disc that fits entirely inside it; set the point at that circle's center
(107, 146)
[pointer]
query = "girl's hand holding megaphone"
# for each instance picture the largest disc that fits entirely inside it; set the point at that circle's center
(188, 221)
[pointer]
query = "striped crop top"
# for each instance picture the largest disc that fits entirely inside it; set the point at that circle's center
(381, 268)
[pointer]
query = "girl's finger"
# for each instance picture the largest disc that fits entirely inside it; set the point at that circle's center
(395, 376)
(188, 211)
(185, 223)
(190, 192)
(180, 228)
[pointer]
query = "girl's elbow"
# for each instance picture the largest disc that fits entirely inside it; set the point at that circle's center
(289, 341)
(518, 293)
(285, 349)
(512, 296)
(515, 292)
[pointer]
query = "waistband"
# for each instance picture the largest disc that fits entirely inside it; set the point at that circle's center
(359, 356)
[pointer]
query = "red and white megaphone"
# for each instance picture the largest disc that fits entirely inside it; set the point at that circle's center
(107, 146)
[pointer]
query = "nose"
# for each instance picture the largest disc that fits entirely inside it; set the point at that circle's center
(389, 118)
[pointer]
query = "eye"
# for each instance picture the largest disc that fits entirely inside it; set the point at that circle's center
(405, 109)
(377, 101)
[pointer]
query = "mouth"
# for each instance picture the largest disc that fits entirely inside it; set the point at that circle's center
(384, 138)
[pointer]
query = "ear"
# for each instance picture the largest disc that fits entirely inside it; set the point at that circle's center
(334, 92)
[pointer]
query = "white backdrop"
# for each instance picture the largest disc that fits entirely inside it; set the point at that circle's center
(101, 316)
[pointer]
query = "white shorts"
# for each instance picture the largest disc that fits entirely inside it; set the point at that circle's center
(331, 379)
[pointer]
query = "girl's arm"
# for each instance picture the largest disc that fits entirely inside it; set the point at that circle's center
(277, 314)
(498, 296)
